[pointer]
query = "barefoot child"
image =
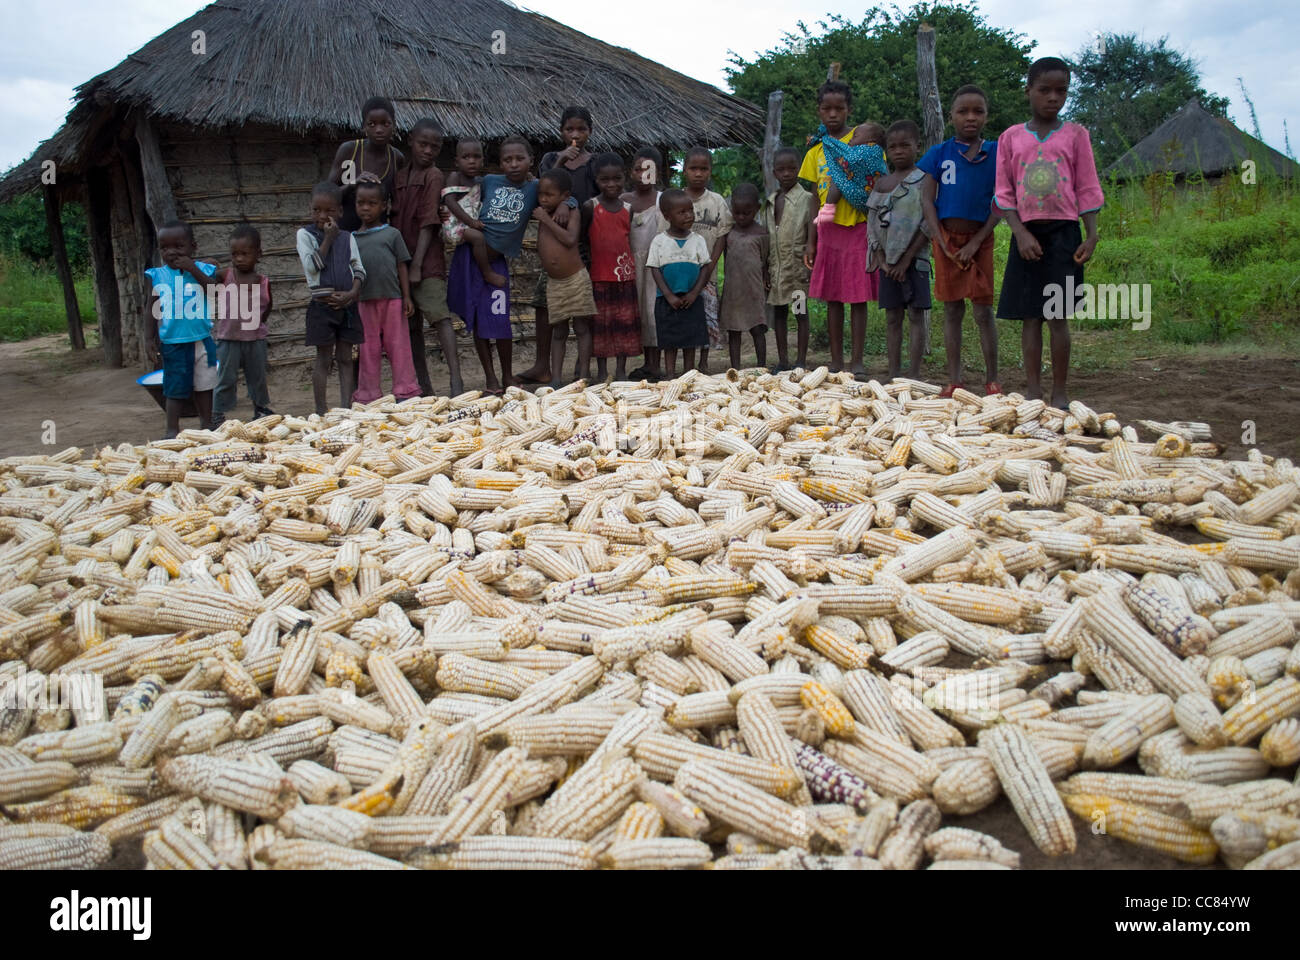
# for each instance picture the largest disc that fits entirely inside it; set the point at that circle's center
(419, 193)
(463, 198)
(899, 247)
(180, 325)
(712, 221)
(334, 273)
(575, 129)
(372, 157)
(786, 218)
(508, 199)
(646, 223)
(1046, 180)
(385, 301)
(836, 248)
(241, 335)
(681, 265)
(746, 280)
(958, 196)
(568, 288)
(616, 328)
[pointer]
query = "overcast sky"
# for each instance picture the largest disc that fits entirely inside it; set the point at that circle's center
(46, 50)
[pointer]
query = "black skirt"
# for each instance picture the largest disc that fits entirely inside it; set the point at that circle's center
(1028, 285)
(681, 329)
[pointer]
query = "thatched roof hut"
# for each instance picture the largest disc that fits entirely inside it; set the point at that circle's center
(232, 115)
(1195, 141)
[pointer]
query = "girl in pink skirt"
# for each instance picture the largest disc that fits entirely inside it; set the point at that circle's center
(836, 251)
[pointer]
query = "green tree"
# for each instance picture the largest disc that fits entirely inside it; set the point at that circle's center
(23, 232)
(1123, 87)
(877, 57)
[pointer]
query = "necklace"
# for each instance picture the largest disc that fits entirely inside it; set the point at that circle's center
(387, 167)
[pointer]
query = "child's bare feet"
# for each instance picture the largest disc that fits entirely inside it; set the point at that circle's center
(1059, 400)
(494, 278)
(858, 370)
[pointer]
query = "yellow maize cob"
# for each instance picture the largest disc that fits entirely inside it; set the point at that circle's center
(1252, 716)
(1144, 827)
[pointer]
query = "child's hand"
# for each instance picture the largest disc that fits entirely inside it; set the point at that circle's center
(444, 215)
(561, 215)
(687, 300)
(570, 153)
(367, 176)
(341, 300)
(538, 214)
(184, 263)
(1084, 253)
(809, 255)
(966, 255)
(1029, 247)
(477, 225)
(413, 275)
(408, 308)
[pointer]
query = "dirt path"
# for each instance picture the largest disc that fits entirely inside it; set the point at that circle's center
(89, 405)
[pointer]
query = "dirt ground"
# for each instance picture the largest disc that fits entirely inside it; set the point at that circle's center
(41, 382)
(89, 405)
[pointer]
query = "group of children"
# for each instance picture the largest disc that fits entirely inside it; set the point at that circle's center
(910, 218)
(633, 271)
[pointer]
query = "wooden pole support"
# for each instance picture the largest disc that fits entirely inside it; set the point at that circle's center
(55, 227)
(100, 234)
(927, 81)
(771, 139)
(158, 197)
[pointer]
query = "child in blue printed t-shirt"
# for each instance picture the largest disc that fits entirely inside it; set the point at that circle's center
(181, 326)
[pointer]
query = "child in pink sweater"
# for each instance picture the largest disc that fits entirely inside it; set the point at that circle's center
(1046, 180)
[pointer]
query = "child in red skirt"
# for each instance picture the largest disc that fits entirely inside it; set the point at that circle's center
(617, 325)
(958, 197)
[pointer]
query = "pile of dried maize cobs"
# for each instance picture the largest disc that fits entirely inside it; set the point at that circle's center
(746, 621)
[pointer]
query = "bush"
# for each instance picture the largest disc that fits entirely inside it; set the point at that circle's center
(23, 232)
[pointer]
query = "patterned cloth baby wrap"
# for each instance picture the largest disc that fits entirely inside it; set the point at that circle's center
(853, 170)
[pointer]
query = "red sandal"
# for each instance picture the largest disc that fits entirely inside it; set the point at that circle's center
(992, 388)
(947, 392)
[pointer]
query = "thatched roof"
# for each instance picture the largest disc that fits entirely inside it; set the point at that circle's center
(1193, 141)
(308, 65)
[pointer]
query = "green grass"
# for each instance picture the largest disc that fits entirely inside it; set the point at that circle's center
(1221, 262)
(31, 300)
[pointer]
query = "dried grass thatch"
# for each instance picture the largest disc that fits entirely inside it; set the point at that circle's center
(1195, 141)
(307, 65)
